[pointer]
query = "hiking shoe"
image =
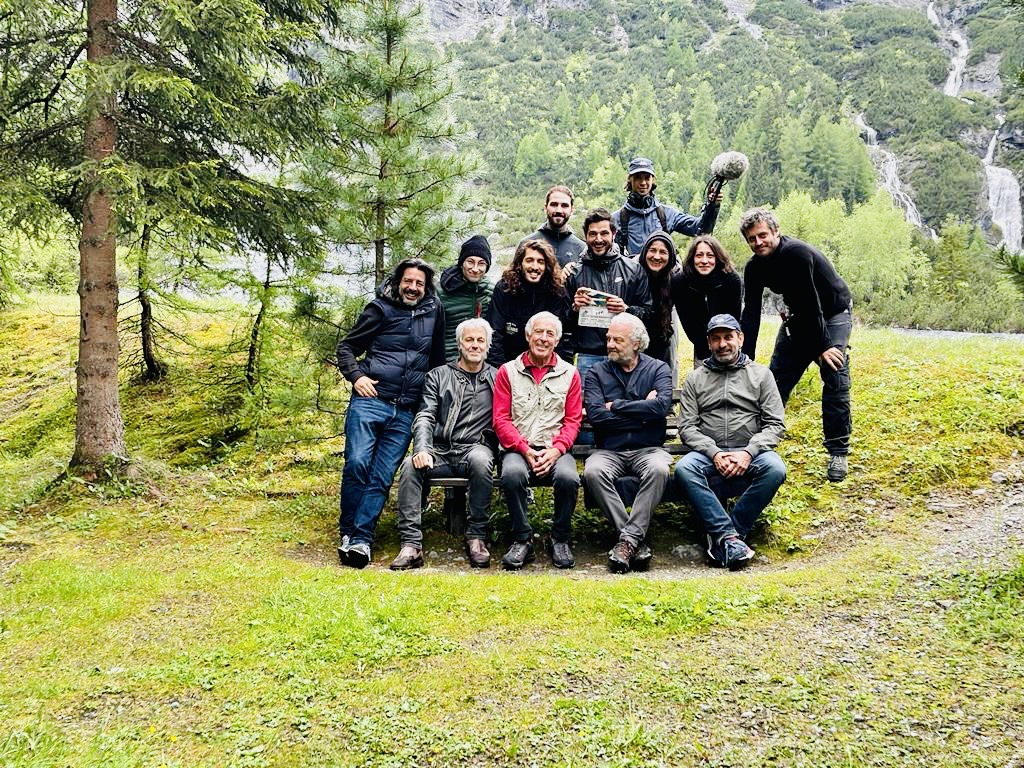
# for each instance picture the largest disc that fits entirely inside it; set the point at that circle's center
(837, 468)
(620, 557)
(477, 554)
(408, 557)
(561, 555)
(641, 560)
(736, 553)
(343, 550)
(358, 555)
(716, 555)
(518, 555)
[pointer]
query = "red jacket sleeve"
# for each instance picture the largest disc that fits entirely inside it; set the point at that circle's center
(573, 415)
(508, 435)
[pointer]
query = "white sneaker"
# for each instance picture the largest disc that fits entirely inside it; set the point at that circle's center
(343, 550)
(358, 555)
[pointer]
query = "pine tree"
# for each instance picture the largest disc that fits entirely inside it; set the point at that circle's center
(395, 174)
(158, 125)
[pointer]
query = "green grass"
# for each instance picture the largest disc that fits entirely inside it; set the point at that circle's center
(190, 614)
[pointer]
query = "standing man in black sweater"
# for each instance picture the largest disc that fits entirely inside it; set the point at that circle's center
(815, 328)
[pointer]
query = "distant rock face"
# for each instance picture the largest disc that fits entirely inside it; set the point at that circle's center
(983, 77)
(456, 20)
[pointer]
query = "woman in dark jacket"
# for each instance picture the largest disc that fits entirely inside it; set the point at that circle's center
(707, 286)
(658, 259)
(532, 283)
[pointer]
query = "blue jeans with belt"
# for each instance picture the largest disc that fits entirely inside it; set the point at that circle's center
(377, 435)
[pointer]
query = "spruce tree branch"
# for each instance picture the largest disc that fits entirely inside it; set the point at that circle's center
(7, 44)
(61, 78)
(158, 53)
(34, 137)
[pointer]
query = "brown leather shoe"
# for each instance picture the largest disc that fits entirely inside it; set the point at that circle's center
(408, 557)
(477, 553)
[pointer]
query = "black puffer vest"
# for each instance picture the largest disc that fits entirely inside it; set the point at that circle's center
(400, 356)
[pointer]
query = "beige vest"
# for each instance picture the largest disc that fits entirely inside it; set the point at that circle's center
(538, 410)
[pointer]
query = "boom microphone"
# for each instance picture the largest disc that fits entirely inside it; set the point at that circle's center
(725, 167)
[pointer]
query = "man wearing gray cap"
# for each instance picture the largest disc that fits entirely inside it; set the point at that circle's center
(643, 214)
(732, 419)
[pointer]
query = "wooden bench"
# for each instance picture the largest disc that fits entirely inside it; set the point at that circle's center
(455, 488)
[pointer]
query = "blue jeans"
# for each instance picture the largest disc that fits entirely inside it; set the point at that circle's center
(706, 490)
(791, 358)
(377, 435)
(584, 363)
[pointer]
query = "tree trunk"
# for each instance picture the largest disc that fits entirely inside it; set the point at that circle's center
(252, 362)
(99, 426)
(154, 368)
(379, 264)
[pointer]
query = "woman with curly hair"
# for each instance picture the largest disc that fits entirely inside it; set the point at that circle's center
(532, 283)
(707, 286)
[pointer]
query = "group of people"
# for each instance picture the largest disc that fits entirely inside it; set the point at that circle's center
(476, 374)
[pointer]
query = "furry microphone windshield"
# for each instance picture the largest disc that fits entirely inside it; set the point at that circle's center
(729, 165)
(725, 167)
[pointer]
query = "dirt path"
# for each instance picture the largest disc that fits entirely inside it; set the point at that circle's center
(978, 529)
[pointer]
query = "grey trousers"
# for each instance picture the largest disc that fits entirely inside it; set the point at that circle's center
(651, 465)
(475, 462)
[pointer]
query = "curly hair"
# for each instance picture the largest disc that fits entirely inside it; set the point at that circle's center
(552, 280)
(722, 261)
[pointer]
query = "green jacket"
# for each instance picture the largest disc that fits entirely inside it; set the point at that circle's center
(461, 300)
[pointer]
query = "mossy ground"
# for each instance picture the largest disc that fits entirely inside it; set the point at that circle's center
(184, 613)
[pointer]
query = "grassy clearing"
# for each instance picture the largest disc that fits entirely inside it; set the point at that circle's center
(179, 616)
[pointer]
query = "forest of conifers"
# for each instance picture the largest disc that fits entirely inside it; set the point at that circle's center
(270, 160)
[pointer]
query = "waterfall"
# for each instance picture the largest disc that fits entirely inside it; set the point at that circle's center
(1003, 188)
(885, 162)
(958, 62)
(1003, 196)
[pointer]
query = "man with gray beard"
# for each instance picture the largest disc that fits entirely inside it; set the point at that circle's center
(627, 398)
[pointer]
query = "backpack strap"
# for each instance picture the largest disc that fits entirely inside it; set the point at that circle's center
(622, 236)
(661, 217)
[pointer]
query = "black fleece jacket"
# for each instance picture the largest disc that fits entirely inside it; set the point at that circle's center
(810, 286)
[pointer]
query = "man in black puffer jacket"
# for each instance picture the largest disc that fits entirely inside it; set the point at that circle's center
(401, 336)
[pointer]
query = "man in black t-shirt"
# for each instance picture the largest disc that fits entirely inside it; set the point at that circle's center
(816, 324)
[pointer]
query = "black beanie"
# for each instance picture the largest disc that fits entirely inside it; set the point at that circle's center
(475, 246)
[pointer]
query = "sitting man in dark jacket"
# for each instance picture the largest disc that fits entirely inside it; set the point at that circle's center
(732, 418)
(449, 438)
(628, 397)
(401, 336)
(643, 214)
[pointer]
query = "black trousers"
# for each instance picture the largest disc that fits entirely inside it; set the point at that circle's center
(791, 358)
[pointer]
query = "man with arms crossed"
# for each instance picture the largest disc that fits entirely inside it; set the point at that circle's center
(556, 231)
(627, 398)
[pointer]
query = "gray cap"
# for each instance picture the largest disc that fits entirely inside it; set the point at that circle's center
(641, 165)
(724, 321)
